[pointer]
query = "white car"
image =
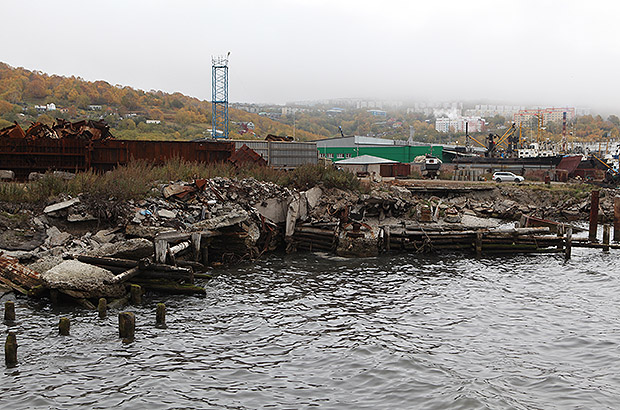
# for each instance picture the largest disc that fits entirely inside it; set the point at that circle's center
(507, 177)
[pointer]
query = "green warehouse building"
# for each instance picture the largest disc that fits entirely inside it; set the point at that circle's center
(340, 148)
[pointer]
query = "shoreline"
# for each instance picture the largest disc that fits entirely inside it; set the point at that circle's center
(187, 228)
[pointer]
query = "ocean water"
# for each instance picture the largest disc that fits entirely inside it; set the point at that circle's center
(309, 330)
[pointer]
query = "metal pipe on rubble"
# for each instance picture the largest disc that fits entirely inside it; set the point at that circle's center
(594, 199)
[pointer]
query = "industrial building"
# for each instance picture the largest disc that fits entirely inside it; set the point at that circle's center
(282, 155)
(337, 149)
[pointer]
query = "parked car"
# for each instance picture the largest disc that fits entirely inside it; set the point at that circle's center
(507, 177)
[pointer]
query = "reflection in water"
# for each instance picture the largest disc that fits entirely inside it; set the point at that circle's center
(307, 330)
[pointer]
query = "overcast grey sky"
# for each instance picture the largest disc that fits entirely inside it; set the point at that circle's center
(523, 52)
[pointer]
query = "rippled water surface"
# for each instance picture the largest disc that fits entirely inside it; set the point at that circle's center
(308, 330)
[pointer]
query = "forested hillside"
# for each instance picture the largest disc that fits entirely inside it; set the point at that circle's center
(125, 109)
(156, 115)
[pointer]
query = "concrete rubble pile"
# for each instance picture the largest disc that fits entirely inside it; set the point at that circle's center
(184, 228)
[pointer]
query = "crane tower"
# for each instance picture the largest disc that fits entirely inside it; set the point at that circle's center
(219, 100)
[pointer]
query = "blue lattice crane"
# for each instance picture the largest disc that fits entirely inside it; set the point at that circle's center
(219, 100)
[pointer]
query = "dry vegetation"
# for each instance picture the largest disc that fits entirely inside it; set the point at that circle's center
(137, 180)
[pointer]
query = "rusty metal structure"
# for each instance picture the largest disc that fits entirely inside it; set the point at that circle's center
(85, 145)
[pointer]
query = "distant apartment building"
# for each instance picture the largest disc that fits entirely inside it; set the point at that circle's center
(251, 108)
(292, 110)
(449, 109)
(459, 124)
(490, 110)
(549, 114)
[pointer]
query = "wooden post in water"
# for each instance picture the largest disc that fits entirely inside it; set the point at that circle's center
(569, 242)
(63, 326)
(479, 243)
(196, 238)
(102, 308)
(606, 238)
(387, 238)
(136, 294)
(561, 229)
(126, 326)
(617, 219)
(9, 311)
(594, 196)
(10, 350)
(160, 315)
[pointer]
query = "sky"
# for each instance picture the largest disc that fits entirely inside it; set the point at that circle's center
(552, 53)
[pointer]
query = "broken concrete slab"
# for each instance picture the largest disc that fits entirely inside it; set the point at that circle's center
(273, 209)
(55, 237)
(87, 280)
(313, 195)
(80, 217)
(223, 221)
(105, 235)
(165, 213)
(60, 205)
(7, 175)
(135, 249)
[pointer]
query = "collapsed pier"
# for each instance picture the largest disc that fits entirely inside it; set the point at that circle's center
(173, 240)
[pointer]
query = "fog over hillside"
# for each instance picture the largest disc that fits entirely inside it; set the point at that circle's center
(521, 52)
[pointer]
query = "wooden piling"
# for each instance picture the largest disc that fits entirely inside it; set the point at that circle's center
(160, 315)
(63, 326)
(196, 239)
(9, 311)
(594, 202)
(569, 242)
(387, 238)
(606, 230)
(136, 294)
(479, 243)
(102, 308)
(126, 326)
(617, 219)
(10, 350)
(560, 234)
(161, 250)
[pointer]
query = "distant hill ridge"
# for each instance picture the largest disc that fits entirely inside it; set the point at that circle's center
(25, 95)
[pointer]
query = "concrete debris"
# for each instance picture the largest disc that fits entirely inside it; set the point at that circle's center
(80, 217)
(135, 249)
(61, 205)
(6, 175)
(274, 209)
(55, 237)
(164, 213)
(82, 280)
(222, 220)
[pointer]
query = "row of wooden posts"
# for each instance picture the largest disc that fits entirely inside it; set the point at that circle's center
(126, 323)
